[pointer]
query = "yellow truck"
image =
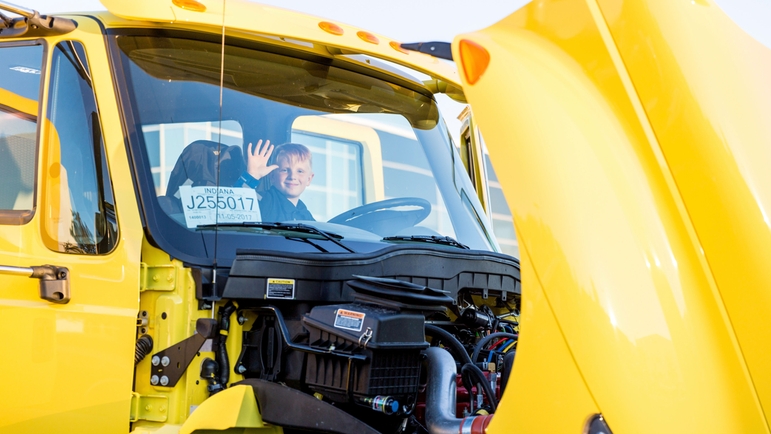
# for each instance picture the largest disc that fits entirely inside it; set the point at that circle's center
(152, 281)
(629, 139)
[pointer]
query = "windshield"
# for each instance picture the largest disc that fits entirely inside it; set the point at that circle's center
(289, 138)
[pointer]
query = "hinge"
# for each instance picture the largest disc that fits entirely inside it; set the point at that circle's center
(154, 408)
(157, 277)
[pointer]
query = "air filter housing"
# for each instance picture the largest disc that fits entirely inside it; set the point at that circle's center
(391, 340)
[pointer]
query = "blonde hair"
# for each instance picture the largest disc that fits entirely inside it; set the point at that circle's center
(293, 152)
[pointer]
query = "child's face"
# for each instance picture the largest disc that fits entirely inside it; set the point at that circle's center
(292, 176)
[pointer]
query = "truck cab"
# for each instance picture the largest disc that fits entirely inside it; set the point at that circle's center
(142, 289)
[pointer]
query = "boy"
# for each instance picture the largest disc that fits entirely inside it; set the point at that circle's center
(289, 175)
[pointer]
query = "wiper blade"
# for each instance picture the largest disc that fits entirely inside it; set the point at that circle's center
(294, 227)
(431, 239)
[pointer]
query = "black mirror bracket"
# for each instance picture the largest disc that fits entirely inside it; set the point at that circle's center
(54, 283)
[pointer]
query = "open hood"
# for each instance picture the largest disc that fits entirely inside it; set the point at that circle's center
(635, 146)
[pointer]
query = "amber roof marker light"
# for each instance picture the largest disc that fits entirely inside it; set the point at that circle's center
(474, 60)
(190, 5)
(331, 28)
(367, 37)
(398, 47)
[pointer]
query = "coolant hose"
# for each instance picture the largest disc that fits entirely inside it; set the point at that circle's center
(485, 340)
(451, 341)
(472, 370)
(222, 350)
(441, 395)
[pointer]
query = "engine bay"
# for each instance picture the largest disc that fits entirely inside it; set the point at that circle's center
(403, 340)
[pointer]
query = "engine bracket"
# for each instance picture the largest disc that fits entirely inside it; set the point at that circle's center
(169, 364)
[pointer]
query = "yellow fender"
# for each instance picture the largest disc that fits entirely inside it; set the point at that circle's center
(235, 407)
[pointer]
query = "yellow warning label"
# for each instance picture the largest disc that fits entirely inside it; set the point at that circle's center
(280, 288)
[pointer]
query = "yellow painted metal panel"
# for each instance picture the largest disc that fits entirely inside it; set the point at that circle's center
(172, 316)
(269, 20)
(72, 364)
(705, 87)
(546, 381)
(235, 407)
(604, 227)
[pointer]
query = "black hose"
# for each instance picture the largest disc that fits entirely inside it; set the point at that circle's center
(209, 370)
(457, 348)
(473, 370)
(143, 347)
(222, 350)
(481, 344)
(508, 366)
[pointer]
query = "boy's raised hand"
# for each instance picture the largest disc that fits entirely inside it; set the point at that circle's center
(257, 159)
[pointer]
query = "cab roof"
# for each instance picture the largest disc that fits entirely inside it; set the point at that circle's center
(253, 20)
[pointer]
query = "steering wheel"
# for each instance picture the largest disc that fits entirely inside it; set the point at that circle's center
(385, 217)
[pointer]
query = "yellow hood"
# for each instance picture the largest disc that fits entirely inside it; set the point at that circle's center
(632, 141)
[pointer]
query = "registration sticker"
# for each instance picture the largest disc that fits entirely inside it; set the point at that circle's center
(349, 320)
(211, 205)
(280, 288)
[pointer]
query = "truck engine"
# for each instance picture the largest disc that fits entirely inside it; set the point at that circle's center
(401, 340)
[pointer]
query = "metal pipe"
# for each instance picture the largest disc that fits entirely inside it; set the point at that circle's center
(18, 10)
(441, 396)
(17, 271)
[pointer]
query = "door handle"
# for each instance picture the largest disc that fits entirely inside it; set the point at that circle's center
(54, 281)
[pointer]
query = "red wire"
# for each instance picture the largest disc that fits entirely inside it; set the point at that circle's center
(498, 342)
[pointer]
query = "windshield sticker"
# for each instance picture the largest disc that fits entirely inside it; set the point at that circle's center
(280, 288)
(211, 205)
(349, 320)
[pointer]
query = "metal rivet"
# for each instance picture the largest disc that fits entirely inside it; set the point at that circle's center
(164, 380)
(154, 380)
(156, 360)
(240, 369)
(165, 361)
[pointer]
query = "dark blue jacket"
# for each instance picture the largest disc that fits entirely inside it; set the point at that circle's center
(274, 206)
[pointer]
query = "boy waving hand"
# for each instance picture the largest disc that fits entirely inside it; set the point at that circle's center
(288, 176)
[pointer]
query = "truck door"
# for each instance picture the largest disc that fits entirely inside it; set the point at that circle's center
(70, 327)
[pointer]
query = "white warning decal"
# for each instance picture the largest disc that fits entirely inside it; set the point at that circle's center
(349, 320)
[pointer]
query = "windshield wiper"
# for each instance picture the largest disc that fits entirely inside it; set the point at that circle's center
(294, 227)
(432, 239)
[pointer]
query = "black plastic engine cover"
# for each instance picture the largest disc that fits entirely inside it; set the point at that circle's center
(322, 277)
(391, 340)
